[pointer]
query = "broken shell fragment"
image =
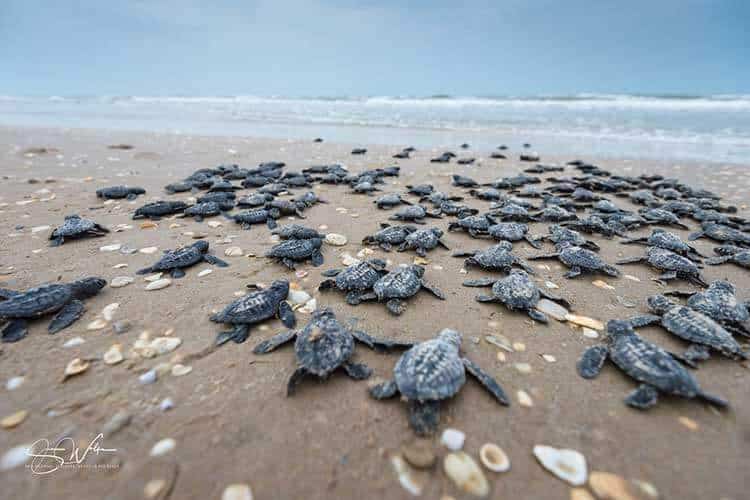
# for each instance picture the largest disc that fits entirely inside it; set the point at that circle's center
(568, 465)
(466, 474)
(494, 458)
(584, 321)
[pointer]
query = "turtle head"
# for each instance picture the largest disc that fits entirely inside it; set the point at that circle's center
(437, 232)
(451, 336)
(281, 287)
(724, 286)
(87, 287)
(137, 190)
(201, 246)
(617, 328)
(418, 270)
(659, 303)
(72, 216)
(325, 312)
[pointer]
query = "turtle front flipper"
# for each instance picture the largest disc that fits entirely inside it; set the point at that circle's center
(697, 280)
(680, 293)
(353, 298)
(286, 315)
(238, 334)
(297, 377)
(554, 298)
(487, 381)
(485, 298)
(357, 371)
(534, 242)
(66, 316)
(7, 294)
(592, 361)
(57, 241)
(317, 258)
(433, 290)
(537, 315)
(384, 390)
(15, 331)
(694, 236)
(481, 282)
(330, 273)
(379, 344)
(277, 340)
(177, 273)
(664, 277)
(574, 272)
(212, 259)
(544, 256)
(424, 416)
(643, 398)
(644, 320)
(696, 353)
(631, 260)
(396, 306)
(713, 400)
(442, 244)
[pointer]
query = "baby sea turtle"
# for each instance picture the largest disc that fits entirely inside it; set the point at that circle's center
(731, 253)
(695, 327)
(206, 209)
(119, 192)
(661, 238)
(517, 292)
(512, 212)
(248, 218)
(75, 227)
(398, 285)
(721, 233)
(159, 209)
(495, 258)
(423, 240)
(323, 346)
(430, 372)
(594, 224)
(512, 231)
(654, 368)
(414, 213)
(277, 208)
(253, 308)
(659, 216)
(389, 236)
(555, 213)
(579, 260)
(64, 299)
(290, 251)
(354, 280)
(562, 237)
(222, 197)
(475, 225)
(464, 182)
(255, 200)
(673, 266)
(178, 187)
(296, 232)
(390, 200)
(174, 261)
(420, 189)
(719, 302)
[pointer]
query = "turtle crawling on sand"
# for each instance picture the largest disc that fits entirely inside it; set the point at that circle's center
(423, 240)
(674, 266)
(75, 227)
(512, 231)
(654, 368)
(397, 286)
(253, 308)
(64, 299)
(294, 250)
(415, 214)
(296, 232)
(174, 261)
(390, 200)
(388, 236)
(119, 192)
(159, 209)
(661, 238)
(719, 302)
(495, 258)
(721, 233)
(475, 225)
(207, 209)
(732, 254)
(579, 260)
(354, 280)
(323, 346)
(430, 372)
(248, 218)
(562, 237)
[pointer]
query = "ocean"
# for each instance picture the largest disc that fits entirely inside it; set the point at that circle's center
(695, 128)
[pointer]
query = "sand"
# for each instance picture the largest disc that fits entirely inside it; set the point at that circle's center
(231, 420)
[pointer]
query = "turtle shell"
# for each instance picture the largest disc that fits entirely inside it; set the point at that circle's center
(36, 302)
(182, 257)
(398, 284)
(517, 291)
(73, 226)
(670, 261)
(431, 370)
(360, 276)
(295, 249)
(255, 306)
(323, 345)
(577, 256)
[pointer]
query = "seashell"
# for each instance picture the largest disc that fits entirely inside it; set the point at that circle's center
(494, 458)
(453, 439)
(15, 457)
(214, 224)
(337, 240)
(97, 324)
(552, 309)
(580, 494)
(499, 341)
(237, 492)
(602, 284)
(159, 284)
(75, 341)
(309, 307)
(113, 355)
(179, 370)
(405, 477)
(419, 453)
(550, 285)
(149, 225)
(39, 229)
(348, 260)
(466, 474)
(163, 447)
(109, 311)
(153, 277)
(298, 297)
(76, 367)
(233, 252)
(205, 272)
(524, 368)
(148, 378)
(568, 465)
(154, 487)
(14, 383)
(121, 281)
(110, 248)
(164, 345)
(592, 323)
(549, 358)
(608, 486)
(149, 250)
(589, 333)
(14, 419)
(524, 399)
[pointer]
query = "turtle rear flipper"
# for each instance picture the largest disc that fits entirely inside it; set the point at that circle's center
(57, 241)
(15, 331)
(379, 344)
(286, 315)
(433, 290)
(592, 361)
(238, 334)
(330, 273)
(697, 352)
(177, 273)
(327, 285)
(574, 272)
(352, 298)
(694, 236)
(643, 398)
(384, 390)
(537, 315)
(145, 270)
(630, 260)
(66, 316)
(698, 280)
(680, 293)
(644, 320)
(664, 277)
(544, 256)
(481, 282)
(713, 400)
(212, 259)
(487, 381)
(297, 377)
(277, 340)
(534, 242)
(464, 254)
(485, 298)
(424, 416)
(357, 371)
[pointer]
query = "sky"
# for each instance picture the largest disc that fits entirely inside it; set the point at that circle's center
(372, 48)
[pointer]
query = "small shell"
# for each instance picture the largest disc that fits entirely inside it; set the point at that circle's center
(405, 477)
(121, 281)
(14, 383)
(337, 240)
(14, 419)
(602, 284)
(163, 345)
(179, 370)
(524, 399)
(494, 458)
(113, 355)
(110, 248)
(568, 465)
(298, 297)
(233, 252)
(499, 341)
(466, 474)
(584, 321)
(205, 272)
(97, 324)
(237, 492)
(76, 367)
(154, 487)
(214, 224)
(552, 309)
(159, 284)
(163, 447)
(15, 457)
(610, 486)
(75, 341)
(109, 311)
(153, 277)
(149, 225)
(453, 439)
(149, 250)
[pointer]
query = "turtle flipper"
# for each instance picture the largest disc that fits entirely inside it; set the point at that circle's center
(424, 417)
(286, 315)
(357, 371)
(680, 293)
(534, 242)
(396, 306)
(66, 316)
(592, 361)
(713, 400)
(574, 272)
(353, 298)
(131, 196)
(643, 398)
(644, 320)
(433, 290)
(15, 330)
(277, 340)
(212, 259)
(487, 381)
(238, 334)
(327, 285)
(330, 273)
(664, 277)
(177, 273)
(630, 260)
(56, 242)
(481, 282)
(544, 256)
(379, 344)
(317, 258)
(694, 236)
(697, 352)
(6, 293)
(537, 315)
(296, 378)
(384, 390)
(554, 298)
(485, 298)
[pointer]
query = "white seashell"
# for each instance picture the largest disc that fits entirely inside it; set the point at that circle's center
(335, 239)
(466, 474)
(205, 272)
(524, 399)
(163, 345)
(149, 250)
(568, 465)
(76, 367)
(148, 378)
(121, 281)
(97, 324)
(15, 457)
(113, 355)
(453, 439)
(109, 311)
(153, 277)
(159, 284)
(163, 447)
(179, 370)
(166, 404)
(309, 307)
(552, 309)
(110, 248)
(298, 296)
(214, 224)
(14, 383)
(233, 252)
(405, 477)
(74, 342)
(237, 492)
(39, 229)
(494, 458)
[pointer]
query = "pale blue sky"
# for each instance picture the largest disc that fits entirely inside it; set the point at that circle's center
(348, 47)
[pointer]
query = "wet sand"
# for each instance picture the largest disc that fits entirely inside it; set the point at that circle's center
(231, 419)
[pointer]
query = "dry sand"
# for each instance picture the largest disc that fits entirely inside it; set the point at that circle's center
(232, 421)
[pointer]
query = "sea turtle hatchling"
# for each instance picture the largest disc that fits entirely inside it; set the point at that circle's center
(562, 237)
(722, 234)
(430, 372)
(659, 216)
(120, 192)
(294, 250)
(252, 308)
(691, 325)
(199, 211)
(390, 200)
(325, 345)
(579, 260)
(475, 225)
(388, 236)
(75, 227)
(517, 292)
(354, 280)
(673, 266)
(495, 258)
(159, 209)
(64, 299)
(174, 261)
(414, 213)
(719, 302)
(248, 218)
(730, 253)
(398, 285)
(661, 238)
(296, 232)
(512, 231)
(655, 369)
(423, 240)
(254, 200)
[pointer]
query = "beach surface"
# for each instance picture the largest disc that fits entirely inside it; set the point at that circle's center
(232, 422)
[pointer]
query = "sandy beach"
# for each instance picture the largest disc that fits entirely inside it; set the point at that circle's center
(232, 422)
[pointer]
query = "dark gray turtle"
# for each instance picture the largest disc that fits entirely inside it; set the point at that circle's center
(667, 193)
(365, 187)
(75, 227)
(466, 161)
(274, 188)
(119, 192)
(495, 258)
(594, 224)
(562, 237)
(420, 189)
(175, 260)
(414, 213)
(200, 211)
(296, 232)
(178, 187)
(248, 218)
(450, 208)
(253, 308)
(641, 197)
(423, 240)
(158, 209)
(290, 251)
(475, 225)
(398, 285)
(663, 217)
(517, 292)
(255, 200)
(607, 207)
(579, 260)
(673, 266)
(512, 212)
(308, 199)
(65, 299)
(359, 151)
(721, 233)
(437, 198)
(277, 208)
(430, 372)
(325, 345)
(512, 231)
(222, 185)
(490, 194)
(702, 215)
(695, 327)
(719, 302)
(555, 213)
(731, 253)
(661, 238)
(389, 236)
(354, 280)
(463, 181)
(390, 200)
(654, 368)
(222, 197)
